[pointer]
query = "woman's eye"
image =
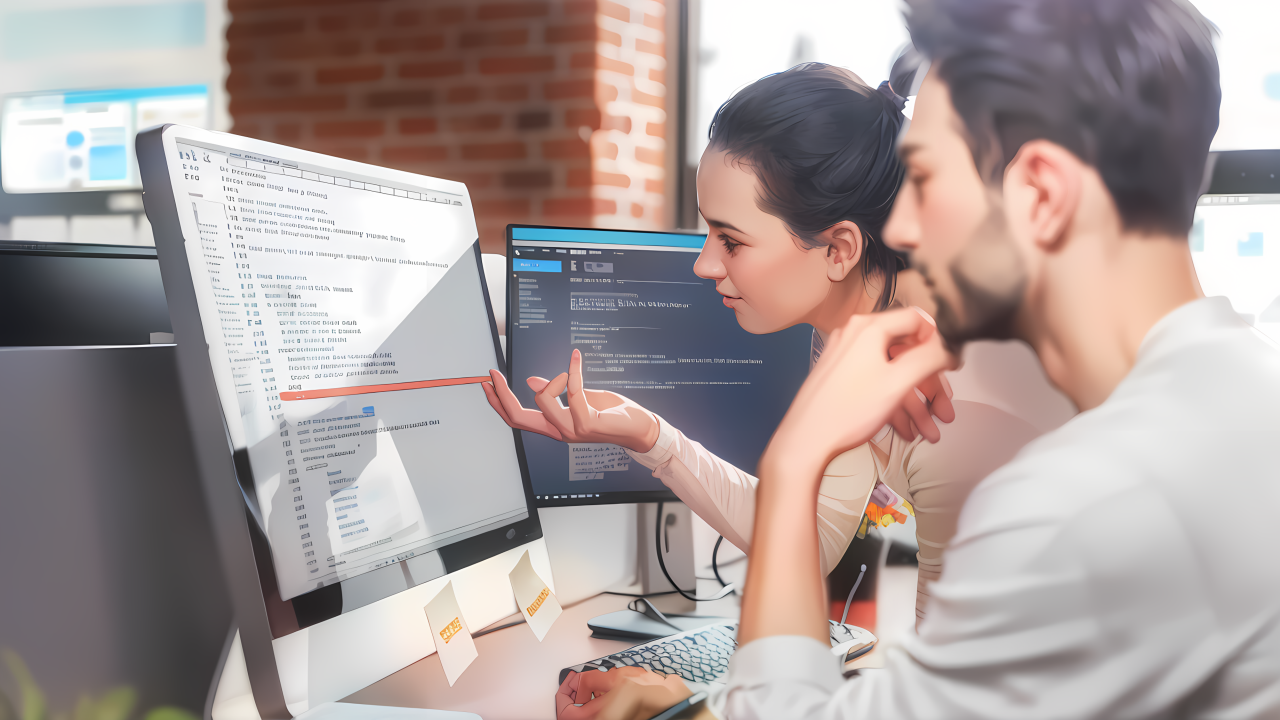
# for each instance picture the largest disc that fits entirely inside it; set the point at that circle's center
(729, 243)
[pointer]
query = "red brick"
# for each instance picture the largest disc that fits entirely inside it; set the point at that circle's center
(654, 21)
(606, 92)
(252, 130)
(650, 157)
(580, 7)
(494, 151)
(571, 33)
(405, 18)
(637, 210)
(511, 93)
(579, 206)
(595, 60)
(509, 65)
(579, 178)
(348, 128)
(334, 23)
(442, 68)
(653, 186)
(475, 123)
(614, 10)
(348, 152)
(504, 206)
(589, 117)
(607, 150)
(289, 132)
(238, 55)
(533, 120)
(400, 98)
(645, 46)
(304, 49)
(513, 10)
(237, 81)
(527, 179)
(657, 76)
(359, 73)
(646, 99)
(281, 79)
(473, 181)
(266, 28)
(411, 43)
(497, 38)
(295, 103)
(612, 38)
(450, 15)
(562, 149)
(418, 126)
(415, 153)
(569, 89)
(610, 179)
(463, 94)
(657, 130)
(616, 122)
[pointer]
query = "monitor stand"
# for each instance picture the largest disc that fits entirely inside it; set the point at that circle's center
(231, 697)
(675, 531)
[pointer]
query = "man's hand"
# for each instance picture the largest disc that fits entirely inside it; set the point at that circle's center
(876, 369)
(593, 416)
(620, 694)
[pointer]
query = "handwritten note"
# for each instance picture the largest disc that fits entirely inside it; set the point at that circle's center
(537, 603)
(590, 461)
(449, 630)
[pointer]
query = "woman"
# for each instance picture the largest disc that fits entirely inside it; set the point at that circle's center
(795, 185)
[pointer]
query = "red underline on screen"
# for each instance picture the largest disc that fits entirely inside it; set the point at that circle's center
(392, 387)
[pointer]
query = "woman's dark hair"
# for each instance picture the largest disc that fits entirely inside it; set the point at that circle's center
(821, 144)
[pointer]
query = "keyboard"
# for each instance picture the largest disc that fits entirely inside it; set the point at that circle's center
(701, 656)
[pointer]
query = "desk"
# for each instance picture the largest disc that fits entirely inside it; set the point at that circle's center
(514, 678)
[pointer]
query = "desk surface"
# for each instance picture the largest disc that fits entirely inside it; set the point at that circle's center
(515, 676)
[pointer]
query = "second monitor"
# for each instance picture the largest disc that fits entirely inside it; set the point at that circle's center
(650, 329)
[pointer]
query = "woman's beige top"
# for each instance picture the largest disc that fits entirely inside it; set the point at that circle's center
(934, 478)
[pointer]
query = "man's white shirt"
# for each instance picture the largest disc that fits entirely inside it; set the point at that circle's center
(1124, 565)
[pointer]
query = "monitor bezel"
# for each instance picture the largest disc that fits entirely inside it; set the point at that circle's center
(613, 498)
(1243, 172)
(219, 470)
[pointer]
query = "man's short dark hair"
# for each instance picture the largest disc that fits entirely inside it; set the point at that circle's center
(1129, 86)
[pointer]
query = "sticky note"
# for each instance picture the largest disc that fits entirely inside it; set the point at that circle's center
(537, 603)
(449, 630)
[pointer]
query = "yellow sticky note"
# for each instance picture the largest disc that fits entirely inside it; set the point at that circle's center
(537, 603)
(449, 630)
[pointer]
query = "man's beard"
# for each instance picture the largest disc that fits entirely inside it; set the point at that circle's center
(989, 278)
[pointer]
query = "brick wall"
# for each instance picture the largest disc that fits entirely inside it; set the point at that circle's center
(551, 111)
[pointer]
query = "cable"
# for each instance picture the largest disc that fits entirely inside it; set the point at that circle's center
(640, 595)
(715, 567)
(657, 542)
(844, 616)
(488, 630)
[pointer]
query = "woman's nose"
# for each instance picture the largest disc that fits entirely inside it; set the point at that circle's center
(710, 264)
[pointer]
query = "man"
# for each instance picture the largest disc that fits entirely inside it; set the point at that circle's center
(1054, 160)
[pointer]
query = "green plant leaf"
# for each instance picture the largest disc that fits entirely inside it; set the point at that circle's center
(169, 712)
(34, 706)
(84, 709)
(117, 704)
(6, 708)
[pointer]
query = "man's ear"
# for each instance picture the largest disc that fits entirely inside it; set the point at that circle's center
(844, 249)
(1042, 190)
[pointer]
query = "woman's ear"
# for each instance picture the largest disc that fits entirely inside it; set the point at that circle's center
(844, 249)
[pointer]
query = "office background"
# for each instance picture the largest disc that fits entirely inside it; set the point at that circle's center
(565, 112)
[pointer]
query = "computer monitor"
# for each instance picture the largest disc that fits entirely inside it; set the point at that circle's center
(1235, 238)
(332, 327)
(650, 329)
(83, 140)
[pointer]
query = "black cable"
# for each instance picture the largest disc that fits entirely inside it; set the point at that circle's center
(640, 595)
(715, 567)
(488, 630)
(657, 541)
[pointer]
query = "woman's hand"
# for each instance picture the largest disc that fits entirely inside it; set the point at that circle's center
(626, 693)
(593, 416)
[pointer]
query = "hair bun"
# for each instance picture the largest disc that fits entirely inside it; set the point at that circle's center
(886, 90)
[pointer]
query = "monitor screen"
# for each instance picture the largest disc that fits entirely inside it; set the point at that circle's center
(75, 141)
(347, 328)
(650, 329)
(1234, 244)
